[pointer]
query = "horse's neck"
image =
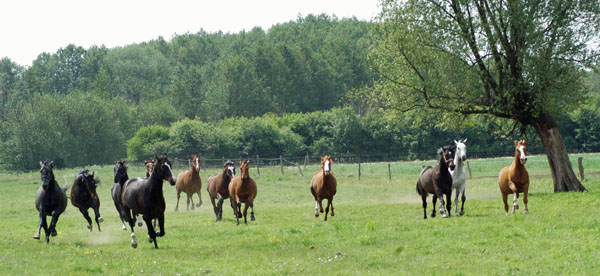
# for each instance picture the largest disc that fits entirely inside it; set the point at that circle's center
(443, 164)
(123, 179)
(155, 183)
(517, 164)
(458, 163)
(225, 180)
(327, 179)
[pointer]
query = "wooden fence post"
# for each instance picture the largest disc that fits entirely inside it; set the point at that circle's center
(580, 164)
(306, 160)
(257, 164)
(281, 163)
(469, 169)
(300, 169)
(389, 172)
(358, 170)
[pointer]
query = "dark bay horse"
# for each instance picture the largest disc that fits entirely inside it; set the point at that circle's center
(120, 178)
(84, 196)
(242, 189)
(437, 181)
(514, 179)
(51, 200)
(217, 187)
(324, 186)
(189, 181)
(145, 196)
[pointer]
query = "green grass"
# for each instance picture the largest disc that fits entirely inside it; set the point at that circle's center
(378, 229)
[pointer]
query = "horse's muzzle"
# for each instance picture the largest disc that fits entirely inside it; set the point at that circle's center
(523, 161)
(463, 158)
(452, 166)
(171, 181)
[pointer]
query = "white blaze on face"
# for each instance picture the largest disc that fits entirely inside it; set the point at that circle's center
(169, 167)
(326, 166)
(197, 164)
(520, 148)
(231, 169)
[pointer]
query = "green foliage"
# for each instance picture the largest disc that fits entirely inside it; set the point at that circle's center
(148, 142)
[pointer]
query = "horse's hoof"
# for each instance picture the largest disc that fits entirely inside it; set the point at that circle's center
(140, 224)
(252, 219)
(526, 212)
(124, 228)
(150, 239)
(89, 227)
(134, 245)
(37, 237)
(444, 216)
(461, 213)
(516, 207)
(100, 219)
(433, 215)
(53, 234)
(199, 204)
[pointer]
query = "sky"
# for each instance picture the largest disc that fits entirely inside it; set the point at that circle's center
(31, 27)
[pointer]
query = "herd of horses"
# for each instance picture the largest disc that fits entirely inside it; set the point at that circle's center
(143, 196)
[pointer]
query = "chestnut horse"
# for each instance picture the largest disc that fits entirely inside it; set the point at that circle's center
(51, 200)
(514, 179)
(148, 164)
(437, 181)
(84, 196)
(323, 186)
(145, 196)
(120, 178)
(242, 189)
(189, 181)
(217, 187)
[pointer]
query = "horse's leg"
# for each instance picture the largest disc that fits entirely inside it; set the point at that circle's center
(440, 195)
(212, 200)
(245, 212)
(87, 217)
(151, 231)
(331, 202)
(505, 200)
(52, 228)
(199, 199)
(37, 235)
(316, 208)
(449, 203)
(219, 209)
(131, 219)
(525, 191)
(238, 211)
(462, 207)
(161, 225)
(424, 200)
(178, 196)
(138, 218)
(456, 201)
(434, 202)
(252, 211)
(327, 208)
(188, 202)
(515, 204)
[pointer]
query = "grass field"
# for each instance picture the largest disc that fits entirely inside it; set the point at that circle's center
(378, 228)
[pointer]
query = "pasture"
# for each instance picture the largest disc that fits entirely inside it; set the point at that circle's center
(377, 228)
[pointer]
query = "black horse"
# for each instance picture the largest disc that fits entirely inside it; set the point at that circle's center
(51, 200)
(438, 181)
(145, 196)
(120, 178)
(84, 196)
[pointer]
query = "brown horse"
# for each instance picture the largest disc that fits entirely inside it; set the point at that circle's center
(217, 187)
(189, 181)
(514, 179)
(438, 181)
(148, 164)
(323, 185)
(242, 189)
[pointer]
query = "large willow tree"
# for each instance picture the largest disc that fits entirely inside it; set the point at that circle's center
(520, 60)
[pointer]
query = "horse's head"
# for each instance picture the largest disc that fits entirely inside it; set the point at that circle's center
(326, 164)
(162, 167)
(149, 164)
(244, 167)
(120, 171)
(196, 162)
(447, 154)
(90, 182)
(46, 174)
(229, 168)
(521, 151)
(461, 149)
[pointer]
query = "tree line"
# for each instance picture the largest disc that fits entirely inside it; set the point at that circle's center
(299, 87)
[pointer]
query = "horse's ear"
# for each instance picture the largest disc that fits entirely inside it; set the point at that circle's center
(456, 142)
(440, 151)
(464, 141)
(241, 162)
(516, 142)
(93, 174)
(41, 164)
(51, 164)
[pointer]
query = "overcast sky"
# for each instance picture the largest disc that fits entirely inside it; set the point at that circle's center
(29, 28)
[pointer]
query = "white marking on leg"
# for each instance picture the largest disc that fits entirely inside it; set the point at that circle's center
(124, 227)
(139, 221)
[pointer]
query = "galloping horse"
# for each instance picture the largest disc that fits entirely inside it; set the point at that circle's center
(514, 179)
(323, 186)
(145, 196)
(148, 164)
(437, 181)
(459, 175)
(242, 189)
(120, 178)
(51, 200)
(217, 187)
(189, 182)
(84, 196)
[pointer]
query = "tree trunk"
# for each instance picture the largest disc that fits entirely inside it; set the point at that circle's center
(562, 171)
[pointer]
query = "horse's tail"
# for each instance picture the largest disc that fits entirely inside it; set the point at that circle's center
(65, 188)
(419, 187)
